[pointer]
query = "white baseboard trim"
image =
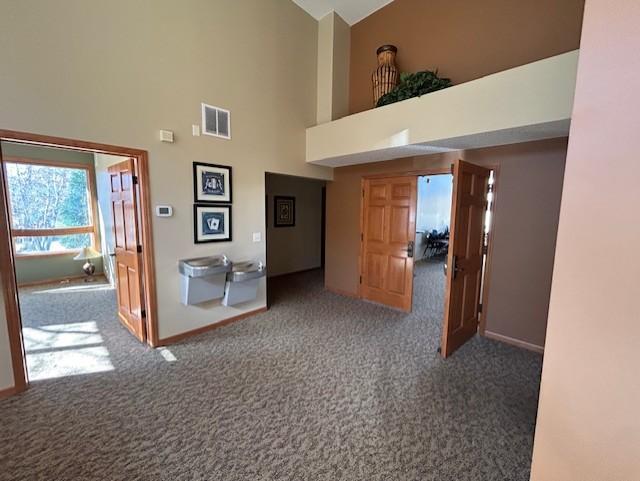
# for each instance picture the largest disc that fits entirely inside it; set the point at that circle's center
(514, 342)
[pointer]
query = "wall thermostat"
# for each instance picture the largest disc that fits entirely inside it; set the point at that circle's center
(164, 210)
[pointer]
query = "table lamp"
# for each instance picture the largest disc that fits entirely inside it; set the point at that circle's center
(86, 254)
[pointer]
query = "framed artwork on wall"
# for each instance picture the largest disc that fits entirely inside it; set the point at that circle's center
(212, 223)
(211, 183)
(284, 211)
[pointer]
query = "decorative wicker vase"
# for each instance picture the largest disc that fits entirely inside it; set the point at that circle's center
(385, 77)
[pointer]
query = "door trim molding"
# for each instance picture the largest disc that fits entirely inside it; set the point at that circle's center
(9, 287)
(10, 294)
(486, 276)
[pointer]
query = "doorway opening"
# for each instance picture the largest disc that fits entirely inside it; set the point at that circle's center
(76, 243)
(425, 238)
(295, 215)
(433, 218)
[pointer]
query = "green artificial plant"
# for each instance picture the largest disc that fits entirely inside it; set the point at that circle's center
(414, 85)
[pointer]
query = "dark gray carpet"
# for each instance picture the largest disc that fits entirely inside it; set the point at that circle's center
(321, 387)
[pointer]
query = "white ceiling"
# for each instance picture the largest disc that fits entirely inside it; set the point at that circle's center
(352, 11)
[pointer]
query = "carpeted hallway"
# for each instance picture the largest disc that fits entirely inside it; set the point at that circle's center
(321, 387)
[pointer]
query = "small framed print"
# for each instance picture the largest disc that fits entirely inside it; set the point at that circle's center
(284, 211)
(211, 183)
(212, 223)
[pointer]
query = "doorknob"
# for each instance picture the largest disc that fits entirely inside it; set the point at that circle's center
(112, 254)
(409, 249)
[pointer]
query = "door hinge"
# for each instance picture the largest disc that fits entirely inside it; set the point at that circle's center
(134, 179)
(139, 249)
(361, 236)
(360, 279)
(479, 308)
(143, 313)
(363, 193)
(485, 249)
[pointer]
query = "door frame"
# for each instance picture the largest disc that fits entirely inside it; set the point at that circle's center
(7, 262)
(486, 275)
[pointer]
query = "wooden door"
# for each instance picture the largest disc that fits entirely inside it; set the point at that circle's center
(388, 233)
(128, 250)
(464, 273)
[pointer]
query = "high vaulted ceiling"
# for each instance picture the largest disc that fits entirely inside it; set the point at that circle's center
(352, 11)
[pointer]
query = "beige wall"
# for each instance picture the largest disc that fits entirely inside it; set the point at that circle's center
(35, 269)
(116, 72)
(293, 249)
(525, 221)
(464, 40)
(341, 60)
(334, 36)
(525, 225)
(588, 424)
(325, 69)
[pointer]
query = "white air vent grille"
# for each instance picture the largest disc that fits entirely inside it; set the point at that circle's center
(216, 121)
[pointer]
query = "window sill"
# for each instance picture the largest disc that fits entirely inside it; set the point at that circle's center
(39, 255)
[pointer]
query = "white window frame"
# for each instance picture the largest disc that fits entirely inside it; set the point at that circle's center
(92, 228)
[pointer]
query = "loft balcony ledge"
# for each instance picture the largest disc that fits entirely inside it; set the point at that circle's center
(522, 104)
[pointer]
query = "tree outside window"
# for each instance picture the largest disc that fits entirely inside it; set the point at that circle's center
(43, 200)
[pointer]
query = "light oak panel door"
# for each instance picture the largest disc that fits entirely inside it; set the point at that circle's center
(464, 273)
(128, 251)
(389, 226)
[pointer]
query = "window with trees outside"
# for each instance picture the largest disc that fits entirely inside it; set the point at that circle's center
(50, 205)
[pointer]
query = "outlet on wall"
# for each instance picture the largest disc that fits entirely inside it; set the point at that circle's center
(257, 237)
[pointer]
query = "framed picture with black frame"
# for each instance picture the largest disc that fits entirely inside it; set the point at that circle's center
(284, 211)
(212, 184)
(212, 223)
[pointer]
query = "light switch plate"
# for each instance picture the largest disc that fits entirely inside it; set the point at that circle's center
(257, 237)
(195, 130)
